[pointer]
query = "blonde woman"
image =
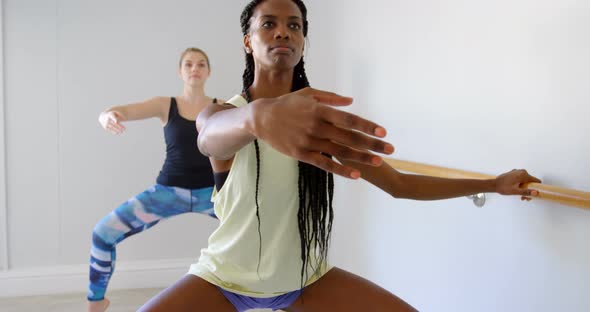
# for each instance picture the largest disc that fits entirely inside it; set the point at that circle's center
(184, 185)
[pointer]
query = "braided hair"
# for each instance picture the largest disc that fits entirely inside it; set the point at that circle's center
(315, 186)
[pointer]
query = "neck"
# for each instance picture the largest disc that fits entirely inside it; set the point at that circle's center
(269, 84)
(193, 94)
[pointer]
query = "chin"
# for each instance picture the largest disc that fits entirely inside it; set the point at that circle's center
(283, 63)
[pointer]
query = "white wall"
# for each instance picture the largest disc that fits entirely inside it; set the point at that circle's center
(65, 61)
(3, 210)
(480, 85)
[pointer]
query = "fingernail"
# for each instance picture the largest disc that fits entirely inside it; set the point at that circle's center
(355, 174)
(380, 132)
(388, 149)
(376, 160)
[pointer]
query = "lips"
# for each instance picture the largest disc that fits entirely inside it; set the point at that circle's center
(282, 49)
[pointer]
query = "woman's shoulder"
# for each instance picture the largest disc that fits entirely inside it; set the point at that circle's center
(161, 100)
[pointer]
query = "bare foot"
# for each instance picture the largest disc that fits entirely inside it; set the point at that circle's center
(98, 306)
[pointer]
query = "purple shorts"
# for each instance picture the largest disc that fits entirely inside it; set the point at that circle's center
(244, 303)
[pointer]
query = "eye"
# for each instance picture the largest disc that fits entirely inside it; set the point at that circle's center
(188, 64)
(267, 24)
(295, 26)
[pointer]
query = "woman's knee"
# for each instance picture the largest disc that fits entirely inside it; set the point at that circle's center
(109, 230)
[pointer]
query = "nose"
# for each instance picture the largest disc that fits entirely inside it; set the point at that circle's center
(282, 32)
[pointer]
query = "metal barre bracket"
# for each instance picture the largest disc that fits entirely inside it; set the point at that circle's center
(479, 199)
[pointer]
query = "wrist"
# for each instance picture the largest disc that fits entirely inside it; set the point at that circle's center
(492, 185)
(255, 120)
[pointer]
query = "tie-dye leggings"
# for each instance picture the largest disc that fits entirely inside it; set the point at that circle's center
(136, 215)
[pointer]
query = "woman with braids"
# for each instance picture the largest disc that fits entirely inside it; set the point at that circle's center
(184, 185)
(269, 148)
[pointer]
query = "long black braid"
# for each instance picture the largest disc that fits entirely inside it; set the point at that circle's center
(315, 186)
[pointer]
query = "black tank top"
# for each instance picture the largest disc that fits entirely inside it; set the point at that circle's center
(184, 166)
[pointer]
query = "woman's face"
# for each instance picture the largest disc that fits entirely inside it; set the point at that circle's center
(276, 35)
(194, 69)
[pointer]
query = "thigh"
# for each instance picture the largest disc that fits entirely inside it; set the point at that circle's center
(135, 215)
(152, 205)
(191, 293)
(163, 201)
(339, 290)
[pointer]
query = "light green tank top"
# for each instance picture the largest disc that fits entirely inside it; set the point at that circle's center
(231, 260)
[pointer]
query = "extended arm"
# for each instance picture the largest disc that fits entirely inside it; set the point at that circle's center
(420, 187)
(111, 118)
(302, 125)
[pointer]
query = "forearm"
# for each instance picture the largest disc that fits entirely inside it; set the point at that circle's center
(223, 133)
(419, 187)
(432, 188)
(153, 107)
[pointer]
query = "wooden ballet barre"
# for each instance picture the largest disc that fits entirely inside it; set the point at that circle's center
(552, 193)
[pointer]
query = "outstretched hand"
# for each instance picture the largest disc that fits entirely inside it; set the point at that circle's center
(111, 122)
(305, 125)
(513, 182)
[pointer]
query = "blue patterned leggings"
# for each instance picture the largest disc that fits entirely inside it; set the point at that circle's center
(136, 215)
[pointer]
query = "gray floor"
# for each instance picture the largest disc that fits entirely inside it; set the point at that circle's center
(124, 300)
(121, 301)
